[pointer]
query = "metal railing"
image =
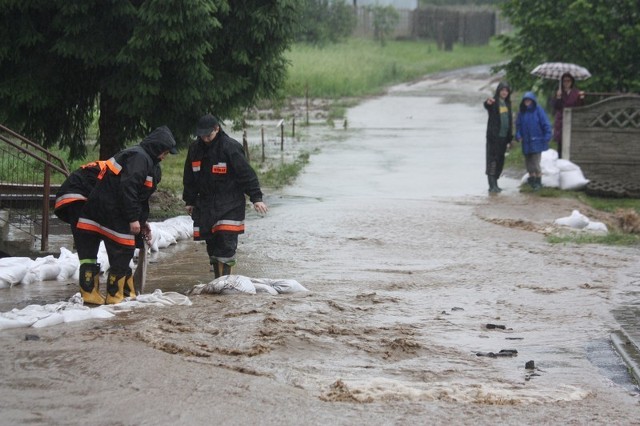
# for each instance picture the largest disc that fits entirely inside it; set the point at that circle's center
(26, 193)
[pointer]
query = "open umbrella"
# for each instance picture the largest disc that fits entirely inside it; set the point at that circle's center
(554, 70)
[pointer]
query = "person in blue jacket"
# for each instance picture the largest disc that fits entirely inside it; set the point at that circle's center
(533, 131)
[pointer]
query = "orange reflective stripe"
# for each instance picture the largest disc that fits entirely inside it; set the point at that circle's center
(196, 232)
(68, 198)
(195, 165)
(89, 225)
(110, 164)
(228, 225)
(148, 182)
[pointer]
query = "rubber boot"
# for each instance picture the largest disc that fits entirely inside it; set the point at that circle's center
(115, 288)
(496, 184)
(221, 268)
(90, 284)
(129, 290)
(537, 183)
(493, 187)
(531, 181)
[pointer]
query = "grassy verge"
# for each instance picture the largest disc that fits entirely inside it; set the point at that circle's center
(361, 67)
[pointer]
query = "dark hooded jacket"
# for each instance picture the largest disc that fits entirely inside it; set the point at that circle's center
(121, 195)
(493, 122)
(77, 187)
(532, 126)
(216, 178)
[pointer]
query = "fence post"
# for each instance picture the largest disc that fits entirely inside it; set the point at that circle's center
(245, 145)
(262, 134)
(44, 242)
(306, 100)
(293, 128)
(281, 125)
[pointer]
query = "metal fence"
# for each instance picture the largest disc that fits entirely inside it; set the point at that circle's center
(26, 192)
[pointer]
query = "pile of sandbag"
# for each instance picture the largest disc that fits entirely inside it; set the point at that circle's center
(239, 284)
(24, 270)
(559, 173)
(579, 221)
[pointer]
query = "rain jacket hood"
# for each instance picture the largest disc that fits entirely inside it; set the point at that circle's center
(159, 141)
(528, 95)
(501, 86)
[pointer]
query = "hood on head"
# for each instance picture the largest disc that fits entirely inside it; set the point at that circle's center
(503, 85)
(159, 141)
(528, 95)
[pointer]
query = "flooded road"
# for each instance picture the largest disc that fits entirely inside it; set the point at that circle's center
(391, 229)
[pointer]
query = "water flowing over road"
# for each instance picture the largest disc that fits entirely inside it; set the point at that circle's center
(424, 308)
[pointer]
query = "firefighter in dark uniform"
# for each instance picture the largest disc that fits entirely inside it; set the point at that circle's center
(116, 212)
(216, 178)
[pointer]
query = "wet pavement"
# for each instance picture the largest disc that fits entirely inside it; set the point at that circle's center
(407, 259)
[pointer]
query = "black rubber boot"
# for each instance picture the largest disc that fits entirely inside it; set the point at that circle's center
(90, 284)
(493, 185)
(115, 288)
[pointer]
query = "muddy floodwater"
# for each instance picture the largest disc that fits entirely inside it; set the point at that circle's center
(427, 298)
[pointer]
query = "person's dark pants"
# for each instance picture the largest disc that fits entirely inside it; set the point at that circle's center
(120, 256)
(222, 246)
(496, 149)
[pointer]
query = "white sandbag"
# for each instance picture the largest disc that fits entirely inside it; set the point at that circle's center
(551, 180)
(183, 226)
(13, 270)
(549, 155)
(160, 238)
(226, 284)
(168, 298)
(43, 269)
(566, 165)
(576, 220)
(265, 288)
(69, 264)
(597, 227)
(103, 258)
(281, 285)
(572, 180)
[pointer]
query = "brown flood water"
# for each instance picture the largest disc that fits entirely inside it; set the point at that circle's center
(406, 260)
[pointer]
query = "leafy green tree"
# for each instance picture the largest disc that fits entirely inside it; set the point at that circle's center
(324, 21)
(138, 64)
(601, 35)
(385, 19)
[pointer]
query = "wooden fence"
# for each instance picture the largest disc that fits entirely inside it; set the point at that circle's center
(604, 140)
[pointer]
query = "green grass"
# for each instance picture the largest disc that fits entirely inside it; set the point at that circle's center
(612, 238)
(361, 67)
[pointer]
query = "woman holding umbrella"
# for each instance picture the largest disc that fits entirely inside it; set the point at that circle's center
(568, 96)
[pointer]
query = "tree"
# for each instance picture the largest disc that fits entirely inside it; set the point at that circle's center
(601, 35)
(385, 19)
(325, 21)
(138, 64)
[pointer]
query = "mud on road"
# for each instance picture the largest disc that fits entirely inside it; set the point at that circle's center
(403, 281)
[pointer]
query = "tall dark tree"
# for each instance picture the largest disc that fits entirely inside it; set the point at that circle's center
(137, 63)
(602, 35)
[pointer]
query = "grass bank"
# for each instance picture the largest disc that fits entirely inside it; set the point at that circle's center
(361, 67)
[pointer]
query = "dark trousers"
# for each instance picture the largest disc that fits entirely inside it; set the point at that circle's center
(120, 256)
(496, 148)
(222, 245)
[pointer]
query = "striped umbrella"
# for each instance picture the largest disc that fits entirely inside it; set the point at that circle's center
(554, 70)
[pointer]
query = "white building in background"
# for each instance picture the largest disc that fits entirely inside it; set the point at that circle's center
(398, 4)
